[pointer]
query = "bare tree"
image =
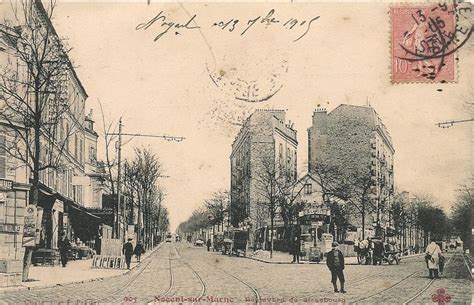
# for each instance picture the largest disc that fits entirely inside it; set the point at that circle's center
(37, 111)
(351, 189)
(109, 135)
(144, 171)
(271, 180)
(217, 206)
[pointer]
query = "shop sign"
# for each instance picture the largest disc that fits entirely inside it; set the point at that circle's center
(9, 228)
(315, 210)
(39, 220)
(29, 229)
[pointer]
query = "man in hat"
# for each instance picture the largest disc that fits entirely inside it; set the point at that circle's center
(64, 247)
(128, 252)
(335, 263)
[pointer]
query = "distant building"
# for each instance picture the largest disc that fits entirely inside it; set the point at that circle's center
(265, 140)
(355, 140)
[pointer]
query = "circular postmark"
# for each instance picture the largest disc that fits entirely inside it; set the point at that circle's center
(251, 82)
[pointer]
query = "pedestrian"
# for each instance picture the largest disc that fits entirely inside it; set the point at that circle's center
(335, 263)
(432, 255)
(209, 244)
(295, 249)
(127, 250)
(364, 251)
(417, 248)
(370, 254)
(64, 247)
(139, 250)
(378, 251)
(442, 259)
(357, 249)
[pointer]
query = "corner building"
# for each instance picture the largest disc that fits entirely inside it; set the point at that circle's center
(354, 139)
(265, 138)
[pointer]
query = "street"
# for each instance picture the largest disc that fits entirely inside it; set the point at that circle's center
(181, 273)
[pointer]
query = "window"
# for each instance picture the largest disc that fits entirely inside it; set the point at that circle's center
(61, 131)
(92, 156)
(69, 183)
(67, 137)
(81, 154)
(3, 157)
(75, 146)
(308, 188)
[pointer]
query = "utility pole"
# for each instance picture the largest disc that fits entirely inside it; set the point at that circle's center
(121, 208)
(119, 168)
(451, 123)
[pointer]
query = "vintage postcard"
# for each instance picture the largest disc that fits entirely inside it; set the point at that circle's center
(236, 152)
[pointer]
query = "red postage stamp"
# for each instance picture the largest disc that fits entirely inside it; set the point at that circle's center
(424, 43)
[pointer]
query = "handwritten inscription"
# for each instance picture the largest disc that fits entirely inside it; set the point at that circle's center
(165, 25)
(266, 21)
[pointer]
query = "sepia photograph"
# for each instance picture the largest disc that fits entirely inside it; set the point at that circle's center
(251, 152)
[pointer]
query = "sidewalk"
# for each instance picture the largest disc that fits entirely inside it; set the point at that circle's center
(285, 258)
(79, 271)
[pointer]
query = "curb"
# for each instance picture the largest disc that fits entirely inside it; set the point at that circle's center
(20, 288)
(316, 263)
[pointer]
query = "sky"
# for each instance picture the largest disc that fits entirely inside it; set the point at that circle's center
(168, 86)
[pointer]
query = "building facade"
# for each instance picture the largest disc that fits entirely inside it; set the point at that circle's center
(264, 149)
(354, 140)
(69, 181)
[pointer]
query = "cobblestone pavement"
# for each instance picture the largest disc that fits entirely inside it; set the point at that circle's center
(184, 274)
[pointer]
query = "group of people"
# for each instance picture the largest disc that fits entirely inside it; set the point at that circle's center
(335, 259)
(128, 251)
(374, 250)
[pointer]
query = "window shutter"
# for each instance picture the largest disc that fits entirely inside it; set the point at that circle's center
(3, 157)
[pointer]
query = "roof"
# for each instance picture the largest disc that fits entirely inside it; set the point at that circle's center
(42, 11)
(374, 118)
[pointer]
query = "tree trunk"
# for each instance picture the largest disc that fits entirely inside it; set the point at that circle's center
(363, 221)
(272, 216)
(36, 166)
(139, 219)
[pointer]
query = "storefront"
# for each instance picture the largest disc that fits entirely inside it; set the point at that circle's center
(62, 215)
(314, 221)
(13, 201)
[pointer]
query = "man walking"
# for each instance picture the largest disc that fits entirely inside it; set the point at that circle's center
(127, 250)
(64, 247)
(378, 251)
(335, 263)
(209, 244)
(295, 249)
(139, 250)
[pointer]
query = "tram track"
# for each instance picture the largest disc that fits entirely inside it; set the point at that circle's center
(201, 281)
(133, 278)
(172, 276)
(254, 290)
(397, 283)
(421, 291)
(386, 289)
